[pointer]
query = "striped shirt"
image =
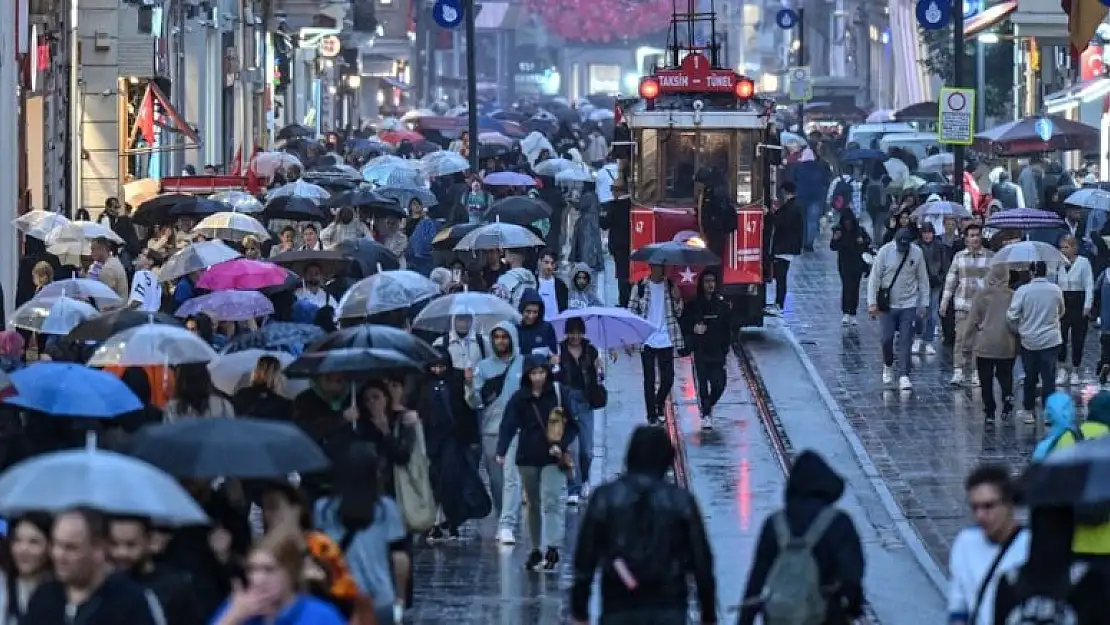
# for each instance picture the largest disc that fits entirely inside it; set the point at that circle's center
(966, 278)
(857, 192)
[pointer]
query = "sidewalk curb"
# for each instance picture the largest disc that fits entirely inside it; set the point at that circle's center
(902, 525)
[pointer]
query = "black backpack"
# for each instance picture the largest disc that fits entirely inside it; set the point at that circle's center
(842, 194)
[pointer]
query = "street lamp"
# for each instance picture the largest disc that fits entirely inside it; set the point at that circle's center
(354, 81)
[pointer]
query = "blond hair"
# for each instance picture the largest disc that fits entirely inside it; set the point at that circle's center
(42, 273)
(267, 371)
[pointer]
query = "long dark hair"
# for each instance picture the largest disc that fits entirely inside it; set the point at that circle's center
(43, 523)
(356, 483)
(193, 386)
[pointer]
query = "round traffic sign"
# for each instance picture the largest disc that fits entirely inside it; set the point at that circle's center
(956, 101)
(972, 8)
(447, 13)
(933, 14)
(786, 18)
(330, 46)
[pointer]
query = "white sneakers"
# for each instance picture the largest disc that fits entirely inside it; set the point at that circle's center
(904, 383)
(888, 375)
(848, 320)
(921, 347)
(1063, 378)
(505, 536)
(957, 377)
(1073, 379)
(707, 422)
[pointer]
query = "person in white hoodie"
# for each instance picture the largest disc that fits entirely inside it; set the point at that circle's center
(512, 284)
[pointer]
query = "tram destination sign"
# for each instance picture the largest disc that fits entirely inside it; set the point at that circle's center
(695, 74)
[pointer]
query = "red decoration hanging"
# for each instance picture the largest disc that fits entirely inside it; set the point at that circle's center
(602, 21)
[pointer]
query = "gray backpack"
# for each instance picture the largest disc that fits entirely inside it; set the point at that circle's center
(792, 593)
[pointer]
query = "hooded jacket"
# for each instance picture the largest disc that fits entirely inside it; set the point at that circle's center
(582, 298)
(812, 487)
(714, 311)
(527, 415)
(1092, 537)
(512, 284)
(540, 335)
(491, 367)
(586, 245)
(466, 351)
(987, 330)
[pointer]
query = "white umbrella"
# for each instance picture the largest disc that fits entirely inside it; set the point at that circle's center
(498, 236)
(196, 257)
(232, 372)
(231, 227)
(152, 345)
(897, 169)
(574, 174)
(76, 237)
(937, 162)
(239, 201)
(443, 163)
(300, 188)
(102, 480)
(552, 166)
(81, 288)
(38, 223)
(533, 144)
(385, 291)
(1093, 199)
(267, 164)
(51, 315)
(1022, 253)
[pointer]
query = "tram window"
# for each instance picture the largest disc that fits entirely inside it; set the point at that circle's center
(684, 153)
(749, 178)
(647, 182)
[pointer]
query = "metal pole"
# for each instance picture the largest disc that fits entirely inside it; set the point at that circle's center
(472, 82)
(801, 63)
(958, 81)
(980, 85)
(75, 160)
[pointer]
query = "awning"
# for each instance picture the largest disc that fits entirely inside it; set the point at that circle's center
(988, 18)
(1065, 99)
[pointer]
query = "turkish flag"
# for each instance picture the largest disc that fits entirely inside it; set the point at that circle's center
(145, 118)
(1090, 64)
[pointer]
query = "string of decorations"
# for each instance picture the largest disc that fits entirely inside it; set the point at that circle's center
(603, 21)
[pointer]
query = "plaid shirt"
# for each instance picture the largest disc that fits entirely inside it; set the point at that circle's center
(639, 303)
(857, 192)
(966, 277)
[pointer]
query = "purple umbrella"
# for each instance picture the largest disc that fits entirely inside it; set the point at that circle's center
(1025, 219)
(508, 179)
(606, 328)
(228, 306)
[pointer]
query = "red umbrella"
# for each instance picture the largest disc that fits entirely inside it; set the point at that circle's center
(1038, 134)
(397, 136)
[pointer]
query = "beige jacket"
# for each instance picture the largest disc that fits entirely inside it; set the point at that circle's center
(114, 275)
(987, 328)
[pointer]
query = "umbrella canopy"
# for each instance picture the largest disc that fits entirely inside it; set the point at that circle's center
(942, 208)
(385, 291)
(508, 179)
(299, 188)
(405, 195)
(606, 327)
(1090, 198)
(239, 201)
(266, 164)
(552, 166)
(447, 238)
(416, 114)
(363, 199)
(102, 480)
(937, 162)
(243, 274)
(1025, 219)
(295, 208)
(294, 131)
(232, 372)
(196, 257)
(355, 361)
(518, 209)
(108, 324)
(152, 345)
(381, 171)
(330, 262)
(276, 335)
(379, 337)
(487, 311)
(241, 448)
(397, 136)
(231, 227)
(675, 254)
(51, 315)
(38, 223)
(498, 236)
(1071, 476)
(443, 163)
(906, 184)
(228, 306)
(1023, 253)
(64, 389)
(81, 288)
(1038, 134)
(495, 138)
(574, 174)
(166, 208)
(369, 256)
(76, 237)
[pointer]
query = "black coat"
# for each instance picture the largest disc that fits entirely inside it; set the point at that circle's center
(118, 600)
(788, 226)
(259, 401)
(716, 313)
(174, 591)
(849, 248)
(455, 481)
(812, 487)
(527, 415)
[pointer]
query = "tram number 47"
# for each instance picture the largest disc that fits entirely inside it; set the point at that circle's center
(751, 226)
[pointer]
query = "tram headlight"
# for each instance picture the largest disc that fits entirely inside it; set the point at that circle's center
(745, 88)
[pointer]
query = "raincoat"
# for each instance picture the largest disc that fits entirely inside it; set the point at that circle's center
(582, 298)
(1059, 411)
(1092, 537)
(586, 246)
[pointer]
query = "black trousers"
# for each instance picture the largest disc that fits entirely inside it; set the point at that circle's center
(849, 291)
(711, 383)
(780, 267)
(655, 398)
(991, 369)
(1073, 326)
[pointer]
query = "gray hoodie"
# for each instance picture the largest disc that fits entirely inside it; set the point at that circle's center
(586, 297)
(491, 367)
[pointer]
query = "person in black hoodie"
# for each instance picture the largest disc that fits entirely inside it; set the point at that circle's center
(787, 227)
(536, 335)
(581, 371)
(811, 488)
(130, 552)
(87, 590)
(707, 323)
(541, 412)
(646, 536)
(849, 241)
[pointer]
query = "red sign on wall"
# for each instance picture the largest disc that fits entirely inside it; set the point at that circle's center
(696, 74)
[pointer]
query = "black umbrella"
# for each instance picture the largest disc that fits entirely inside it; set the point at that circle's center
(275, 335)
(518, 209)
(333, 184)
(166, 208)
(450, 236)
(104, 326)
(295, 208)
(369, 256)
(330, 262)
(362, 199)
(675, 254)
(292, 282)
(242, 448)
(294, 131)
(1072, 476)
(358, 362)
(378, 337)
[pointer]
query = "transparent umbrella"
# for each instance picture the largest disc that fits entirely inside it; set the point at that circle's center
(487, 311)
(38, 223)
(300, 188)
(385, 291)
(152, 345)
(51, 315)
(231, 227)
(196, 257)
(81, 288)
(498, 236)
(239, 201)
(1022, 253)
(76, 237)
(443, 163)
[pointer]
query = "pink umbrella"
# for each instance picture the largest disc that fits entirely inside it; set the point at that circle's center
(242, 274)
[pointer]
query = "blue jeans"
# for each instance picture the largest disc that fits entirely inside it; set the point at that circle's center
(926, 329)
(812, 222)
(582, 449)
(898, 321)
(1039, 363)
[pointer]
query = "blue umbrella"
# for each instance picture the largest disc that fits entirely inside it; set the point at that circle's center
(863, 155)
(276, 335)
(65, 389)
